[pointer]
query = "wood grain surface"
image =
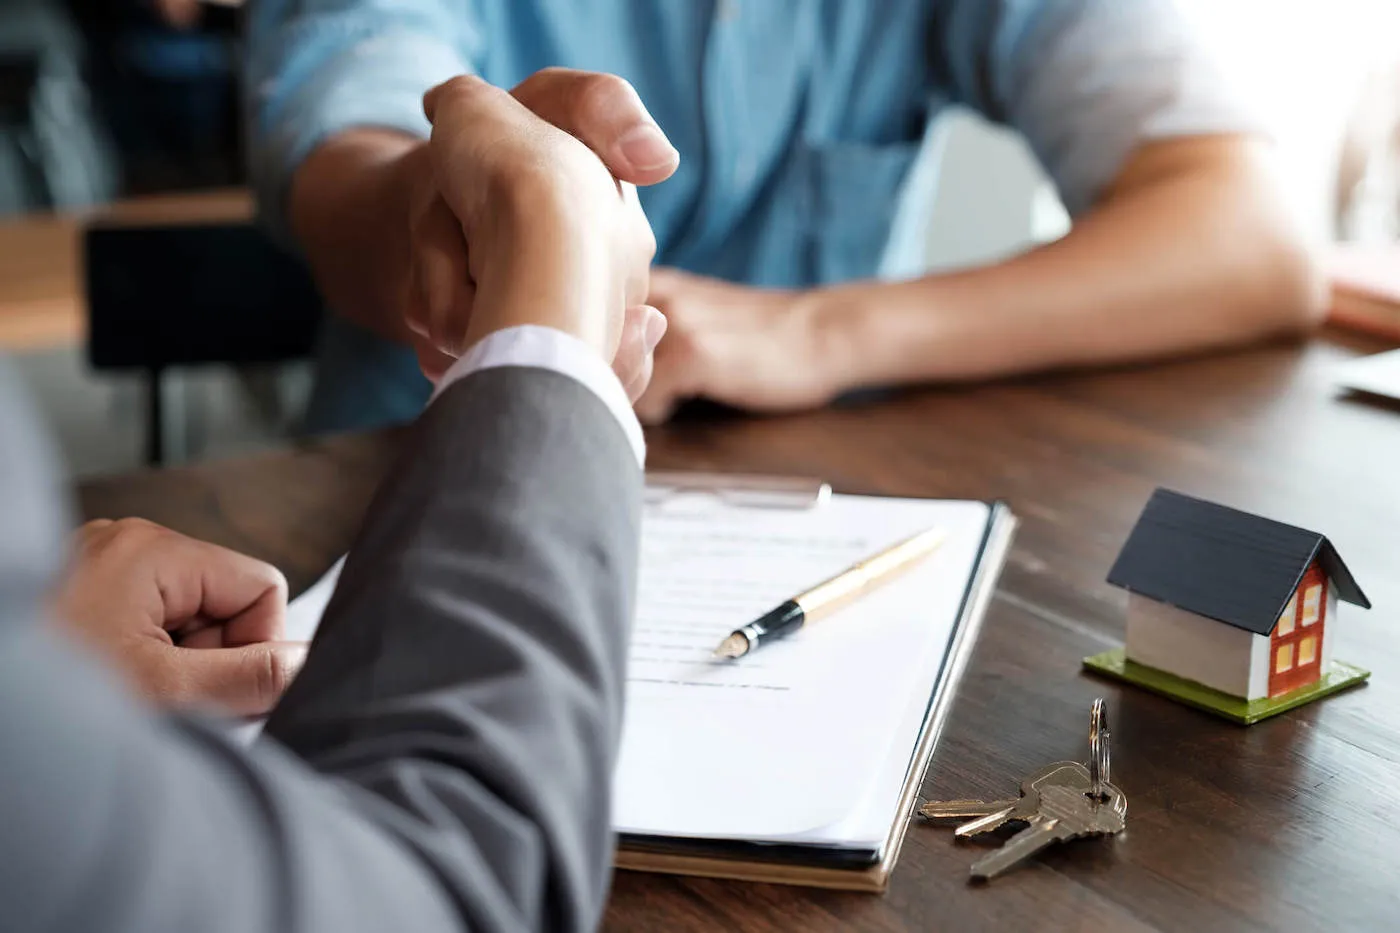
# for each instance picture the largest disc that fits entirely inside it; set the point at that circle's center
(1289, 824)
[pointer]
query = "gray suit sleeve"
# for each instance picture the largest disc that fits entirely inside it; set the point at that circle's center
(444, 760)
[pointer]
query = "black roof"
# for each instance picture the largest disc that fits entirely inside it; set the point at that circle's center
(1222, 563)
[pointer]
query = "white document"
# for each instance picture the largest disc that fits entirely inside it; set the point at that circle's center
(1378, 374)
(808, 739)
(304, 612)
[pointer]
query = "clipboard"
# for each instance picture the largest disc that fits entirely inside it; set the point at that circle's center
(863, 867)
(749, 490)
(860, 868)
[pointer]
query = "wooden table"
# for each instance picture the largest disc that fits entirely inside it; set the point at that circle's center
(41, 287)
(1290, 824)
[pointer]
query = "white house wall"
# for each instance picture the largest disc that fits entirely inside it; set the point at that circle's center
(1191, 646)
(1261, 655)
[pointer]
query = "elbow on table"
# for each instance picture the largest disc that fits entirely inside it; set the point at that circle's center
(1290, 295)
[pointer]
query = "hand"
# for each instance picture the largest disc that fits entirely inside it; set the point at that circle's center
(178, 14)
(187, 622)
(756, 349)
(601, 111)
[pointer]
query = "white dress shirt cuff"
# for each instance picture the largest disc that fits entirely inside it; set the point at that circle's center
(547, 348)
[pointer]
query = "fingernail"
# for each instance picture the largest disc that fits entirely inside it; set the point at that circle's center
(646, 148)
(655, 329)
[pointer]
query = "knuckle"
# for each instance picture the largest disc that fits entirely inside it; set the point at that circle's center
(462, 86)
(598, 95)
(456, 91)
(546, 76)
(275, 579)
(91, 534)
(278, 581)
(540, 84)
(127, 533)
(269, 676)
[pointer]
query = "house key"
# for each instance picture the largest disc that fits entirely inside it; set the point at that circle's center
(1060, 802)
(987, 815)
(1065, 813)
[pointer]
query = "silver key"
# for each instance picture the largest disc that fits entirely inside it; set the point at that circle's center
(965, 809)
(993, 813)
(1065, 813)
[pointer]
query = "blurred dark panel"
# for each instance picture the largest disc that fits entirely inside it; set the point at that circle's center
(166, 95)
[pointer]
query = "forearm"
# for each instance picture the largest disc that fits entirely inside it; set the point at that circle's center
(349, 211)
(469, 668)
(334, 94)
(1178, 257)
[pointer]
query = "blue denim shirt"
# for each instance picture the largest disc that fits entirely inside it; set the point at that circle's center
(797, 120)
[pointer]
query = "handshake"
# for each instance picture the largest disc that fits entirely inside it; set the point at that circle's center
(523, 210)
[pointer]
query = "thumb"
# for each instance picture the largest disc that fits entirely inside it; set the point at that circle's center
(605, 113)
(246, 681)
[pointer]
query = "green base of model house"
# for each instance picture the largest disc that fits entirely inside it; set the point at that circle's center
(1245, 712)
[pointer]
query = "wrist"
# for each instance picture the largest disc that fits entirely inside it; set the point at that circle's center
(349, 209)
(833, 323)
(399, 189)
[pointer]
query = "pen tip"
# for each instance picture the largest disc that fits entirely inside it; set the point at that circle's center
(735, 646)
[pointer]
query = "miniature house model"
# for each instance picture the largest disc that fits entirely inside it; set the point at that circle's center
(1236, 602)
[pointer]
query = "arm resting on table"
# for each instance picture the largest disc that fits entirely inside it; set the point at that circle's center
(1190, 249)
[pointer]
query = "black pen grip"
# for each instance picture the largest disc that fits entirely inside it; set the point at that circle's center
(778, 623)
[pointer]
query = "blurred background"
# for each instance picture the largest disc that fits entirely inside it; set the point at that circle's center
(134, 103)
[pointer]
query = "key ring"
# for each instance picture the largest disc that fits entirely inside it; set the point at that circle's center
(1098, 748)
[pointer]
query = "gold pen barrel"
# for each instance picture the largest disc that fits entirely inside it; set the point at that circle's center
(825, 598)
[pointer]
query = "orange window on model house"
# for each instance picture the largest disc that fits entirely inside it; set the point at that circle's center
(1295, 647)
